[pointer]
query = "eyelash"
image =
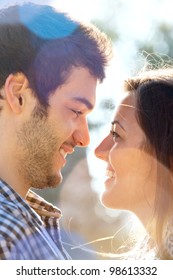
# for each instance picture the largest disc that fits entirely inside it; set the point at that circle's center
(115, 135)
(77, 112)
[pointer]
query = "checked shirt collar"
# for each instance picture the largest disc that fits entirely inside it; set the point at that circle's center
(37, 211)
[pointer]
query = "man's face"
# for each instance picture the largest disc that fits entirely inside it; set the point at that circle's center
(44, 142)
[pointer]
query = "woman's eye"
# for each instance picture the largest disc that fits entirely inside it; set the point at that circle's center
(77, 112)
(115, 135)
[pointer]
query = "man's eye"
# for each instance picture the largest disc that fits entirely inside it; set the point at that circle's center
(77, 112)
(115, 135)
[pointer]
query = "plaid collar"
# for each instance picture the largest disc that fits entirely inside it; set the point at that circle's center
(33, 201)
(41, 206)
(41, 236)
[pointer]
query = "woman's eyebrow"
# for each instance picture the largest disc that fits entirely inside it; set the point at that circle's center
(117, 122)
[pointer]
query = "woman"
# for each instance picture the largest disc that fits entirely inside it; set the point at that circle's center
(139, 156)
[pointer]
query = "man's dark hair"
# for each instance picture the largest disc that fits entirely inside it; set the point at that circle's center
(45, 44)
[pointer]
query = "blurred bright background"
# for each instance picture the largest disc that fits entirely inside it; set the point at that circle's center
(138, 30)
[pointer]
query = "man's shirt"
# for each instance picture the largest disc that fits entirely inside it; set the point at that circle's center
(29, 229)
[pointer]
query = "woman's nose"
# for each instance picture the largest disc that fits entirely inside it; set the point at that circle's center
(102, 150)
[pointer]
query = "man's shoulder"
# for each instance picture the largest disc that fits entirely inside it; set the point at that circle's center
(11, 218)
(8, 207)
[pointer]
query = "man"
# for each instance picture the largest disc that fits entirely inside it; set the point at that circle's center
(49, 69)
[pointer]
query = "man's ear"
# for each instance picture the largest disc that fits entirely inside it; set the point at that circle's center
(15, 91)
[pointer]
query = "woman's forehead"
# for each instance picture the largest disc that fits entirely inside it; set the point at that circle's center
(126, 105)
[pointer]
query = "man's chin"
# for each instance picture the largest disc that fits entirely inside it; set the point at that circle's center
(54, 181)
(51, 182)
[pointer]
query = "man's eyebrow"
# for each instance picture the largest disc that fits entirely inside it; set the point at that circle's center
(84, 101)
(117, 122)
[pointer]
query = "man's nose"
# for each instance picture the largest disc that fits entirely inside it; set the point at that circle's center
(81, 136)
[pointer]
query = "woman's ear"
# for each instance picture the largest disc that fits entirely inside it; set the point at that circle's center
(14, 90)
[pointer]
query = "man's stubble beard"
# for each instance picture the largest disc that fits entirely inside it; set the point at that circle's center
(37, 145)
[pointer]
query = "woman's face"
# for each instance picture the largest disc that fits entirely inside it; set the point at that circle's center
(131, 172)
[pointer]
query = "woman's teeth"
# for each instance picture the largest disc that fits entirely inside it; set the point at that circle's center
(110, 174)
